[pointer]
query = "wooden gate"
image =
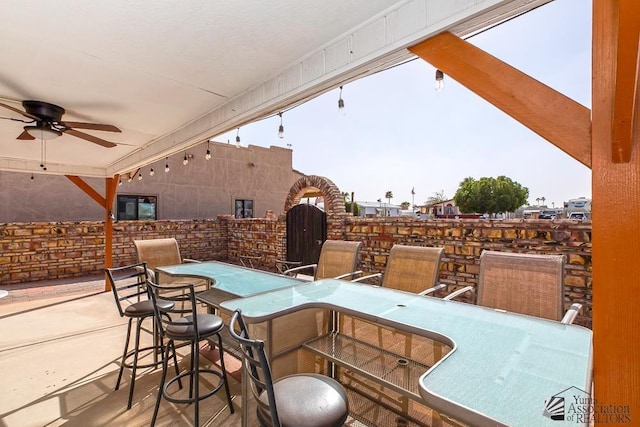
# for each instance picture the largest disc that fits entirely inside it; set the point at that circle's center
(306, 232)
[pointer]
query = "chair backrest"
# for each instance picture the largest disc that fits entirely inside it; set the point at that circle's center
(522, 283)
(337, 257)
(254, 360)
(128, 284)
(412, 268)
(181, 320)
(158, 252)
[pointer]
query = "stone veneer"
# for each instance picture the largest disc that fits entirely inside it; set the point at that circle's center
(38, 251)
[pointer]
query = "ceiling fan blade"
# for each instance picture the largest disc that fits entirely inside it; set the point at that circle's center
(25, 136)
(92, 126)
(89, 138)
(24, 113)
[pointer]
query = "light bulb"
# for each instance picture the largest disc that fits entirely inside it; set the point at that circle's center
(139, 177)
(208, 155)
(439, 81)
(280, 128)
(129, 179)
(120, 182)
(185, 161)
(152, 172)
(341, 103)
(166, 167)
(238, 141)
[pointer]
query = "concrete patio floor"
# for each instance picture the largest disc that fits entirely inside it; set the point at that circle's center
(60, 346)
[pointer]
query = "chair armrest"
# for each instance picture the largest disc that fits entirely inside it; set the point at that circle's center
(296, 270)
(187, 260)
(283, 265)
(342, 276)
(370, 276)
(433, 290)
(571, 313)
(460, 292)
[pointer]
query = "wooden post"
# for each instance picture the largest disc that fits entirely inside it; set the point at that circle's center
(616, 208)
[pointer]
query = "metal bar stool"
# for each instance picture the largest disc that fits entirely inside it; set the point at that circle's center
(128, 284)
(190, 327)
(311, 400)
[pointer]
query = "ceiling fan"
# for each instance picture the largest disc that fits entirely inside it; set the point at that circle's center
(48, 124)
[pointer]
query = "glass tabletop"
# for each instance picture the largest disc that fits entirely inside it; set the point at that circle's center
(503, 367)
(232, 279)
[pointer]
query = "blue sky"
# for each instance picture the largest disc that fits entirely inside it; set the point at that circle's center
(398, 133)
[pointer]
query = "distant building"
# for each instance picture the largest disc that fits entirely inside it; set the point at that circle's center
(375, 209)
(242, 181)
(443, 209)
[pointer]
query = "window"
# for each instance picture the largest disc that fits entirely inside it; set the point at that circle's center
(137, 207)
(244, 208)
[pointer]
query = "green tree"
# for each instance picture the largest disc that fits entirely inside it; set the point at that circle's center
(490, 195)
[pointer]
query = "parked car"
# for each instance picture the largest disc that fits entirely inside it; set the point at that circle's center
(548, 214)
(577, 215)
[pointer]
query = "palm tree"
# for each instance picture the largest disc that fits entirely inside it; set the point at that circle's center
(537, 201)
(388, 195)
(543, 199)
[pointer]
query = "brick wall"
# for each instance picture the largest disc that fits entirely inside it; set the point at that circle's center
(38, 251)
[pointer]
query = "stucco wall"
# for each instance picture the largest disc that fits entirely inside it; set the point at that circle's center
(38, 251)
(201, 189)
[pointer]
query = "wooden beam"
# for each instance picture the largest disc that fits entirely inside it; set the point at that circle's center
(111, 185)
(87, 189)
(626, 78)
(616, 218)
(547, 112)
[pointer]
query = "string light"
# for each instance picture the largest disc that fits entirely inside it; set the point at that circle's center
(32, 177)
(152, 172)
(281, 128)
(185, 161)
(439, 81)
(238, 138)
(166, 164)
(120, 181)
(139, 176)
(208, 155)
(130, 178)
(341, 103)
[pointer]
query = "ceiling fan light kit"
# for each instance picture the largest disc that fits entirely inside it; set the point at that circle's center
(42, 131)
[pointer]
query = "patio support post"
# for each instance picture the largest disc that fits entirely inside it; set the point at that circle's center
(111, 184)
(616, 205)
(107, 204)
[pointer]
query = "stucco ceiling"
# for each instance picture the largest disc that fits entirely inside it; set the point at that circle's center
(171, 74)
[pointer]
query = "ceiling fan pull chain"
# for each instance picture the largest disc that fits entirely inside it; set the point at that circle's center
(43, 154)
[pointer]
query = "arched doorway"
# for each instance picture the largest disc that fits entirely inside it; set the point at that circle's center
(307, 224)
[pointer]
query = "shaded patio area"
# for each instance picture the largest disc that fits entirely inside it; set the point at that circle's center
(60, 350)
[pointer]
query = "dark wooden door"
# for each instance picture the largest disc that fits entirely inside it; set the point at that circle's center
(306, 232)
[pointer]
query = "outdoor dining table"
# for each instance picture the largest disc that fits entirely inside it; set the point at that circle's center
(503, 368)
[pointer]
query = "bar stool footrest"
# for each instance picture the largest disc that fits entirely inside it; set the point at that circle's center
(187, 374)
